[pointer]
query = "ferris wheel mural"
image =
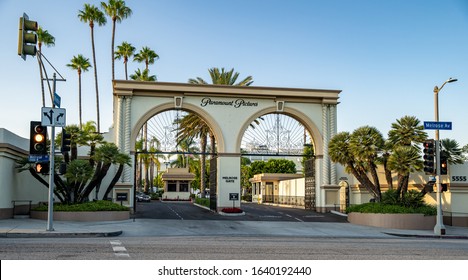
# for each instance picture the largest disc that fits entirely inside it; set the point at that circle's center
(164, 128)
(275, 134)
(269, 134)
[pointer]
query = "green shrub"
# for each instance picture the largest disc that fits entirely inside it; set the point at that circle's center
(413, 199)
(391, 209)
(390, 197)
(203, 201)
(98, 205)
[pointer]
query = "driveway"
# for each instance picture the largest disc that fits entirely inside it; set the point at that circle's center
(253, 212)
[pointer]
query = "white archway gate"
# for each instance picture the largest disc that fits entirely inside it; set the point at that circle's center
(228, 110)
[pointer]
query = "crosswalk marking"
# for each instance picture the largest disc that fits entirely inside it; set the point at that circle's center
(119, 250)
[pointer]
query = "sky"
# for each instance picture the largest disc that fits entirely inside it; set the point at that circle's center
(385, 56)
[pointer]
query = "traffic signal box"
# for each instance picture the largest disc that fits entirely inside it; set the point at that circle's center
(38, 139)
(443, 165)
(66, 141)
(27, 40)
(429, 157)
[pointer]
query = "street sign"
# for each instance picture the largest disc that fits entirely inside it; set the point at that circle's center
(233, 196)
(38, 158)
(57, 100)
(53, 116)
(438, 125)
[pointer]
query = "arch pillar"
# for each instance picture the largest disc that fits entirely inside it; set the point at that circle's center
(126, 135)
(327, 194)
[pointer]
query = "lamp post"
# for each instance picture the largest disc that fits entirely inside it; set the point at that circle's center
(439, 228)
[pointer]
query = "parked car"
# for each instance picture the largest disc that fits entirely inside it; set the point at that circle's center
(143, 197)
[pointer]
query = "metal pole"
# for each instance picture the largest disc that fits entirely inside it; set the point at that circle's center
(50, 219)
(439, 228)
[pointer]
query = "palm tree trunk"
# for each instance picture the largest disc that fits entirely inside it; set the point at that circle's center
(79, 100)
(203, 140)
(375, 177)
(42, 77)
(125, 63)
(113, 39)
(114, 181)
(95, 79)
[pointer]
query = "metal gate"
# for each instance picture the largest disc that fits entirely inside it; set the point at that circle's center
(309, 199)
(213, 182)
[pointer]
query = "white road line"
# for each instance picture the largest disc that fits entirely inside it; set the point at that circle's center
(294, 218)
(175, 212)
(119, 250)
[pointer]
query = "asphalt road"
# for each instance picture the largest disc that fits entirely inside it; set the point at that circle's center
(232, 247)
(253, 212)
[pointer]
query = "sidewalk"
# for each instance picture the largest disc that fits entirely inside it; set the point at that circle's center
(32, 228)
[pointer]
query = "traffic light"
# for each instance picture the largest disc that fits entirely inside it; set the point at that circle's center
(429, 152)
(66, 141)
(27, 40)
(443, 165)
(42, 167)
(38, 139)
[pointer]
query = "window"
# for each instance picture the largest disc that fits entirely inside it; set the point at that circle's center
(172, 186)
(183, 186)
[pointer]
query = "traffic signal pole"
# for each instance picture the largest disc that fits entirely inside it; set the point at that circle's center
(50, 210)
(439, 228)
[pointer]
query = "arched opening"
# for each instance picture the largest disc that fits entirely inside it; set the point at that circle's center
(171, 144)
(278, 152)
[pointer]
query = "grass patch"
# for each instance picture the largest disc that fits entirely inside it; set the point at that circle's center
(391, 209)
(92, 206)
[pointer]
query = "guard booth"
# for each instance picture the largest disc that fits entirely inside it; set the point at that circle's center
(177, 184)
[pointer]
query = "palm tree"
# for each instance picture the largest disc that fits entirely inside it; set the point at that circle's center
(154, 159)
(46, 39)
(223, 78)
(90, 137)
(452, 151)
(404, 160)
(81, 64)
(91, 14)
(143, 76)
(147, 55)
(194, 126)
(125, 51)
(117, 11)
(407, 132)
(341, 151)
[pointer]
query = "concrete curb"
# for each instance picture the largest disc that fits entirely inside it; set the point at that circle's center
(54, 234)
(427, 236)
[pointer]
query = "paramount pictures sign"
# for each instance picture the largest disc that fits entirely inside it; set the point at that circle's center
(233, 103)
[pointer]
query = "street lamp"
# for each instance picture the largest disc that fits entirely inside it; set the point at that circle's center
(439, 228)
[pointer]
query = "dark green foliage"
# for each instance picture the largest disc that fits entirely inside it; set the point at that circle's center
(273, 166)
(412, 202)
(391, 209)
(203, 201)
(280, 166)
(411, 198)
(99, 205)
(257, 167)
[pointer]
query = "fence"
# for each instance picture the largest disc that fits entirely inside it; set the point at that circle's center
(284, 199)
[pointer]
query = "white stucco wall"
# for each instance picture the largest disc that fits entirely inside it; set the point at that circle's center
(14, 185)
